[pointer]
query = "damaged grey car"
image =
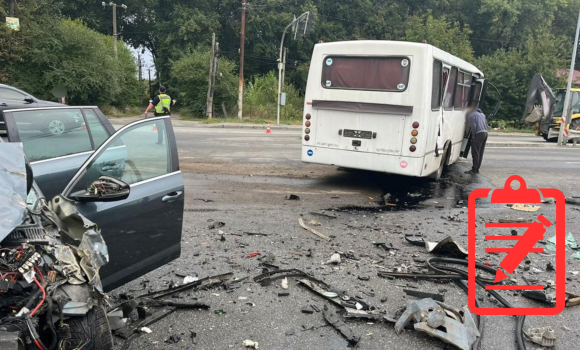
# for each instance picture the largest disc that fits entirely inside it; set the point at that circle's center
(56, 259)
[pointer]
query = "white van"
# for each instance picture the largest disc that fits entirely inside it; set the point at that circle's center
(387, 106)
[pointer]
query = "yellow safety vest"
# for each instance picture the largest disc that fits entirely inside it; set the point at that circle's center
(164, 103)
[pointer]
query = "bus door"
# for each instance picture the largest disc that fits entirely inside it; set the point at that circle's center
(477, 93)
(439, 144)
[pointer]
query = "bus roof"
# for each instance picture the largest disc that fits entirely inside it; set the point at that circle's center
(364, 46)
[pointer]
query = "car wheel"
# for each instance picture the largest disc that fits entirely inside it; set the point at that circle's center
(575, 124)
(94, 328)
(55, 126)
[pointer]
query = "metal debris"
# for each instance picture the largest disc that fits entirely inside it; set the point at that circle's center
(440, 321)
(422, 295)
(543, 336)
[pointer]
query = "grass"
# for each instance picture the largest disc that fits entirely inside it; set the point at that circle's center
(236, 120)
(114, 112)
(508, 130)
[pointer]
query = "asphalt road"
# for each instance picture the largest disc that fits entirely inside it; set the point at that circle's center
(242, 177)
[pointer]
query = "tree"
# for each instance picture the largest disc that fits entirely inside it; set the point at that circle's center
(450, 37)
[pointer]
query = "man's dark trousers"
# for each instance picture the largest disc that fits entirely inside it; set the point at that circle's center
(477, 147)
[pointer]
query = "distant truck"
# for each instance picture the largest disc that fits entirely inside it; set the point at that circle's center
(548, 113)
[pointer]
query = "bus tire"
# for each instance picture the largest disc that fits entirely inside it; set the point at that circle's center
(436, 176)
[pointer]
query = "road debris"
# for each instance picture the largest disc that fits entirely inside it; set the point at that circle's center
(174, 339)
(334, 259)
(453, 326)
(314, 223)
(543, 336)
(146, 330)
(216, 224)
(293, 197)
(325, 215)
(570, 243)
(266, 278)
(423, 295)
(253, 254)
(303, 225)
(573, 201)
(333, 320)
(256, 234)
(250, 344)
(524, 207)
(447, 246)
(284, 283)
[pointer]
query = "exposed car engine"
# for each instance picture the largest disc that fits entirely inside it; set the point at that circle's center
(49, 281)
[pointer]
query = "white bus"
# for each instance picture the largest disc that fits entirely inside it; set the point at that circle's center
(388, 106)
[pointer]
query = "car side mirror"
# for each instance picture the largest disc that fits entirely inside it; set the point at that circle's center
(105, 189)
(28, 99)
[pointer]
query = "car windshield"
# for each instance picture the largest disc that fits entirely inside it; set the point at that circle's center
(560, 97)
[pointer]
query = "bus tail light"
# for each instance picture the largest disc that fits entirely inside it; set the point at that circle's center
(416, 125)
(306, 138)
(412, 148)
(307, 131)
(413, 140)
(307, 124)
(414, 133)
(308, 116)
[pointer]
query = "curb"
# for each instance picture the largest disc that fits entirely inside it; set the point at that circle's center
(251, 126)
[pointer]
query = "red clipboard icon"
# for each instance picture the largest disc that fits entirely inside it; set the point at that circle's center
(524, 244)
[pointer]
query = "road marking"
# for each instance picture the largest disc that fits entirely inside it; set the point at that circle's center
(572, 162)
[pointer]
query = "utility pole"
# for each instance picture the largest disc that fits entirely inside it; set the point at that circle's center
(213, 67)
(562, 136)
(140, 66)
(115, 35)
(150, 91)
(11, 8)
(242, 47)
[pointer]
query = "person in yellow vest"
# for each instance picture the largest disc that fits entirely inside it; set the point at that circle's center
(161, 105)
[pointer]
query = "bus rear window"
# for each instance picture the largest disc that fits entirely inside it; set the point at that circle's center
(366, 73)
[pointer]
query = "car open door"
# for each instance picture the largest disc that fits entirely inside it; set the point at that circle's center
(143, 231)
(57, 141)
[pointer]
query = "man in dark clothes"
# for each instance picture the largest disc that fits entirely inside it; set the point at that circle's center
(478, 123)
(161, 105)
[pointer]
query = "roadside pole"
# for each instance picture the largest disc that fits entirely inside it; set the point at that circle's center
(562, 137)
(115, 35)
(150, 91)
(242, 46)
(209, 102)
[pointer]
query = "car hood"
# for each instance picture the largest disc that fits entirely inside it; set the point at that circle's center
(12, 187)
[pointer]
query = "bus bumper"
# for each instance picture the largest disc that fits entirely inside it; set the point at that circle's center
(385, 163)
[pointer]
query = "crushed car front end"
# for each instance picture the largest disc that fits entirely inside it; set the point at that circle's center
(50, 291)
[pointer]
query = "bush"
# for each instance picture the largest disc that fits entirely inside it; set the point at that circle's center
(191, 79)
(81, 60)
(261, 99)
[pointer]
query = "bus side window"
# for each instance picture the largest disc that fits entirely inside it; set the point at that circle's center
(450, 90)
(476, 92)
(462, 90)
(438, 85)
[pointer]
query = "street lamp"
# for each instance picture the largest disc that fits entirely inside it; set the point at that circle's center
(308, 18)
(115, 35)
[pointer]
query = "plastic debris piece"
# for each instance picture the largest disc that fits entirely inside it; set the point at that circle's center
(314, 223)
(446, 246)
(303, 225)
(253, 254)
(335, 259)
(543, 336)
(293, 197)
(525, 207)
(284, 283)
(340, 326)
(250, 344)
(189, 279)
(145, 330)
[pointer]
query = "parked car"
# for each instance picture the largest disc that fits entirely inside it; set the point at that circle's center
(55, 156)
(14, 97)
(55, 258)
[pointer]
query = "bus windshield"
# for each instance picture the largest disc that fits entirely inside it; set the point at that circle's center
(560, 97)
(366, 73)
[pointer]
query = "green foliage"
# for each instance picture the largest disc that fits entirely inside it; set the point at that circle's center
(511, 71)
(191, 78)
(261, 97)
(82, 61)
(450, 37)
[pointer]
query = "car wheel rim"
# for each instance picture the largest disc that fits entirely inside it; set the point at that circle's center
(56, 127)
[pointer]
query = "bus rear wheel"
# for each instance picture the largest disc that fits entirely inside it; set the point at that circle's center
(436, 176)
